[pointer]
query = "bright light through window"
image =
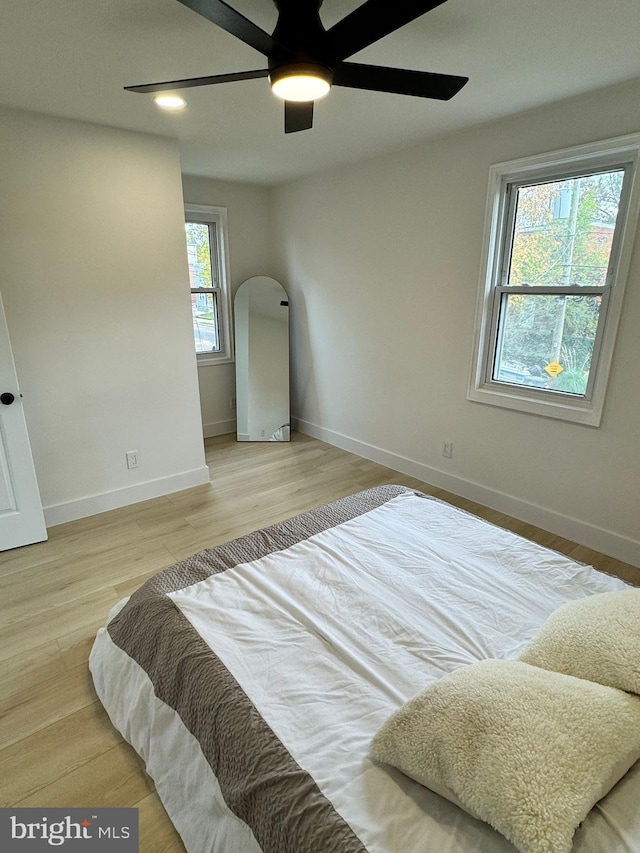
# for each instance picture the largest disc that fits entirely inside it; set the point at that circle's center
(204, 294)
(561, 238)
(557, 249)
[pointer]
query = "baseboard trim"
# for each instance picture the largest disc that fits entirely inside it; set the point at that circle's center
(94, 504)
(597, 538)
(218, 428)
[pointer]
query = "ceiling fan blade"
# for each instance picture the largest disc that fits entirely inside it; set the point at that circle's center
(298, 115)
(400, 81)
(237, 25)
(198, 81)
(371, 21)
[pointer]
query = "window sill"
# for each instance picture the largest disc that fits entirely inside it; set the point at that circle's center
(208, 360)
(579, 411)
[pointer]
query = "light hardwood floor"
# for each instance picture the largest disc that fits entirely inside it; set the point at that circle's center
(57, 747)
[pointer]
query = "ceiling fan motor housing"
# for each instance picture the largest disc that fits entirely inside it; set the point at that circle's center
(300, 32)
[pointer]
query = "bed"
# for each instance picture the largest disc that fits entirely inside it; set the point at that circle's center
(252, 677)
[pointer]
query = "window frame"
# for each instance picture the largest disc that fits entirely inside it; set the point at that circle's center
(209, 214)
(504, 180)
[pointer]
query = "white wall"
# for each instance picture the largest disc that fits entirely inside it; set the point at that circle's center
(93, 274)
(381, 260)
(250, 253)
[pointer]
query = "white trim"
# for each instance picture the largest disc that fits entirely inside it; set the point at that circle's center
(94, 504)
(218, 428)
(519, 398)
(597, 538)
(211, 213)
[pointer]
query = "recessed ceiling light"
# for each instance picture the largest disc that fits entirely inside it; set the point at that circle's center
(170, 102)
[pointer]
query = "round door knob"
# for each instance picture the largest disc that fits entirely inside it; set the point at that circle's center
(7, 398)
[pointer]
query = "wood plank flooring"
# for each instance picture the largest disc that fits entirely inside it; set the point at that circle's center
(57, 746)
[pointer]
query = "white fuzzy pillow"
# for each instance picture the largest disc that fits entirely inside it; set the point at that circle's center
(597, 638)
(528, 751)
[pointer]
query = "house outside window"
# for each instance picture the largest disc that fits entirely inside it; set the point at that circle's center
(207, 257)
(558, 241)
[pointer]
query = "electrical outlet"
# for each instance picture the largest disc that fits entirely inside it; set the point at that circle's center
(133, 459)
(447, 449)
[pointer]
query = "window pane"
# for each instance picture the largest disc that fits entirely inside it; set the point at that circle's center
(546, 341)
(563, 231)
(204, 308)
(199, 254)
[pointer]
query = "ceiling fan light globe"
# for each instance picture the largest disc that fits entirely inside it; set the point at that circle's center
(300, 82)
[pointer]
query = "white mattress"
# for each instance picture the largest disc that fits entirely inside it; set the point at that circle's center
(327, 638)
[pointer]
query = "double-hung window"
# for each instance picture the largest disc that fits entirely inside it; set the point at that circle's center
(558, 240)
(207, 257)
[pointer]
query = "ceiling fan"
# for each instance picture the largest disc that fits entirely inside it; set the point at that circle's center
(305, 60)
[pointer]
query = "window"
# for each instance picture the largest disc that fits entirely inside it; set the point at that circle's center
(558, 242)
(205, 229)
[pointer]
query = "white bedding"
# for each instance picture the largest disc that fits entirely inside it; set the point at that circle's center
(331, 635)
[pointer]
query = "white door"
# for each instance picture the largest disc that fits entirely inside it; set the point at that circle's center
(21, 517)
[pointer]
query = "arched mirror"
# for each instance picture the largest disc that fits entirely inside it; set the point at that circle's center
(262, 360)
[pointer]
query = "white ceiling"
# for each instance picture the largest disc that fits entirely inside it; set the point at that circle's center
(72, 58)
